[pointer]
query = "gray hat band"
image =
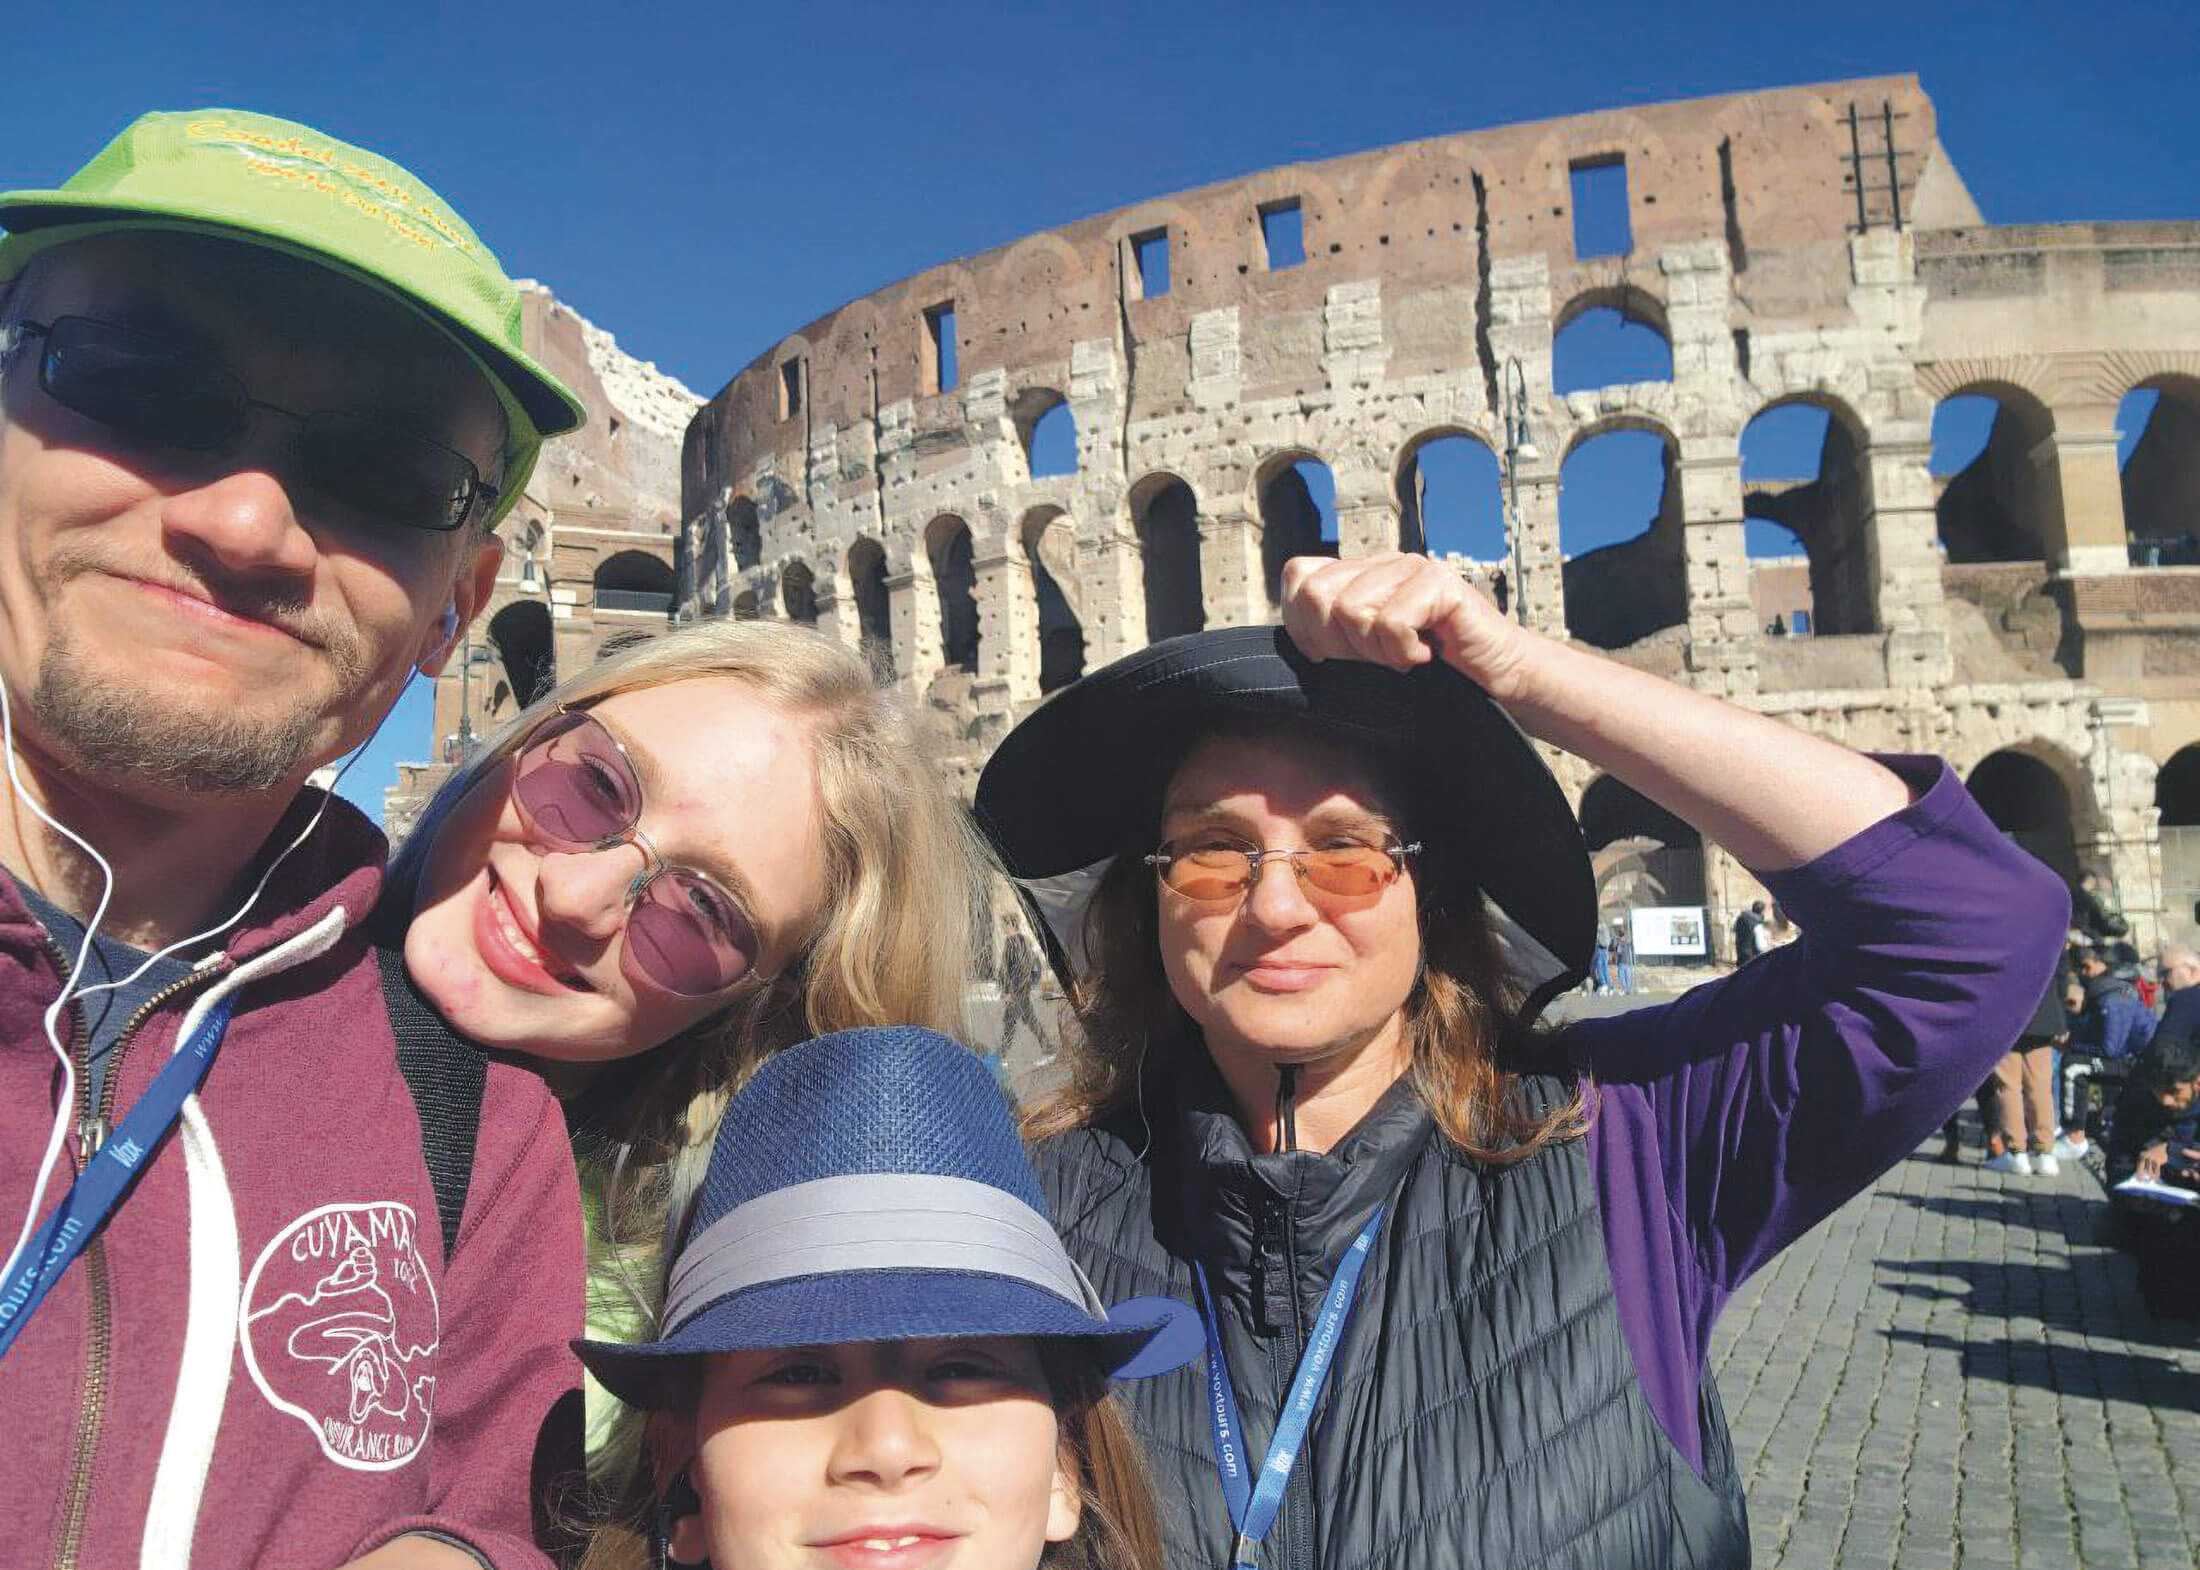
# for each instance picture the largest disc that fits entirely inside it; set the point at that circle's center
(873, 1221)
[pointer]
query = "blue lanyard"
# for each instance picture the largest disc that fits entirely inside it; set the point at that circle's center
(1254, 1508)
(98, 1188)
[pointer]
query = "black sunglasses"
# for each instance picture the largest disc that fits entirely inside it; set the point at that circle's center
(153, 393)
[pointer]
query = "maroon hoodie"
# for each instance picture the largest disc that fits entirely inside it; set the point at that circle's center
(264, 1357)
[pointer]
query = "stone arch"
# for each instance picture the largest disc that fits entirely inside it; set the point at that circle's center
(2177, 798)
(948, 551)
(1449, 485)
(747, 607)
(798, 592)
(1034, 258)
(521, 634)
(2161, 470)
(1042, 416)
(1159, 212)
(1049, 539)
(1829, 511)
(634, 581)
(1286, 489)
(1621, 589)
(1444, 171)
(2033, 801)
(1642, 854)
(2003, 504)
(2177, 788)
(1610, 336)
(874, 603)
(745, 532)
(1165, 514)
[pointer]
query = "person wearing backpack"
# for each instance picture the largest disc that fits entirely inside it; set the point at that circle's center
(2110, 1026)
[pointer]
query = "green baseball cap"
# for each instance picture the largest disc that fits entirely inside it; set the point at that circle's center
(286, 186)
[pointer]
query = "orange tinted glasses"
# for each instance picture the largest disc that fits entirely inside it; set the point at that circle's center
(1223, 874)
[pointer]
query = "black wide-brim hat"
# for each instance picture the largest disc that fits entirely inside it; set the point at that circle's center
(1080, 780)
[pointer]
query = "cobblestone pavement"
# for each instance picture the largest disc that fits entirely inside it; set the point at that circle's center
(1950, 1373)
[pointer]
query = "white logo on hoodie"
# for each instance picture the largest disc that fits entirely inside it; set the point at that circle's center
(340, 1331)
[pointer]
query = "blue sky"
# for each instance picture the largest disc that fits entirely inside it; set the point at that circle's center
(700, 179)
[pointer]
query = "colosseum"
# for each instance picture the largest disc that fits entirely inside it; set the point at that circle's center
(1023, 463)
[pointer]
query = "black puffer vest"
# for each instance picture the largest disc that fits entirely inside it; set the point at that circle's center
(1483, 1411)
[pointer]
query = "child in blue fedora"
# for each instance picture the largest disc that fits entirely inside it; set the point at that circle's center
(874, 1352)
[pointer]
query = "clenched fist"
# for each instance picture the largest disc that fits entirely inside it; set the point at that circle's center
(1401, 611)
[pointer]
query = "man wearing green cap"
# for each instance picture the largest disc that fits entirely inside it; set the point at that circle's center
(263, 399)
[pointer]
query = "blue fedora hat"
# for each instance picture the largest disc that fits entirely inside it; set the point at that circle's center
(870, 1186)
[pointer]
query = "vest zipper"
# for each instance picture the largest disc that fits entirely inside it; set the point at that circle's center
(91, 1133)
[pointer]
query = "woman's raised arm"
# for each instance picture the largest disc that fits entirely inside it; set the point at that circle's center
(1773, 796)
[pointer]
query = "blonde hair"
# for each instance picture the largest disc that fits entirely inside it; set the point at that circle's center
(905, 878)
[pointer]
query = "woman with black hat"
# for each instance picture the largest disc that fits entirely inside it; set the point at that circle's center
(1459, 1275)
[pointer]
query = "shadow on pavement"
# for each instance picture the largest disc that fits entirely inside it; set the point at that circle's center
(2125, 1376)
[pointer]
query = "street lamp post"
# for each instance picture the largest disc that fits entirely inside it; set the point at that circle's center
(1519, 448)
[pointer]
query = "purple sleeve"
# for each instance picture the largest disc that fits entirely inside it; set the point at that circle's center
(1732, 1120)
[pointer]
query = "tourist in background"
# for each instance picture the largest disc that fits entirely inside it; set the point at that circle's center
(2109, 1026)
(2091, 919)
(1749, 933)
(2024, 1117)
(2180, 974)
(2155, 1132)
(1623, 955)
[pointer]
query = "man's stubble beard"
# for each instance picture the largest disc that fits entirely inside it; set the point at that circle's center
(157, 736)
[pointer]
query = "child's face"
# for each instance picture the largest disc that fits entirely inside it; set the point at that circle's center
(897, 1455)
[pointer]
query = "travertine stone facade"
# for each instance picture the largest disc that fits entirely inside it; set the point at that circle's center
(1996, 614)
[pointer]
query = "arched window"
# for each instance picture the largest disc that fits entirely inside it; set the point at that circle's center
(2177, 794)
(1643, 855)
(2029, 803)
(1806, 492)
(1298, 517)
(947, 543)
(1451, 500)
(798, 593)
(1049, 434)
(1050, 541)
(1615, 342)
(745, 607)
(746, 533)
(634, 581)
(1989, 484)
(874, 606)
(1167, 519)
(1619, 530)
(2158, 424)
(521, 633)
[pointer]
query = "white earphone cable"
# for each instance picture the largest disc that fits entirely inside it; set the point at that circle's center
(73, 989)
(52, 1157)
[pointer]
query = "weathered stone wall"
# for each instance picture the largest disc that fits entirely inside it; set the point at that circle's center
(839, 462)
